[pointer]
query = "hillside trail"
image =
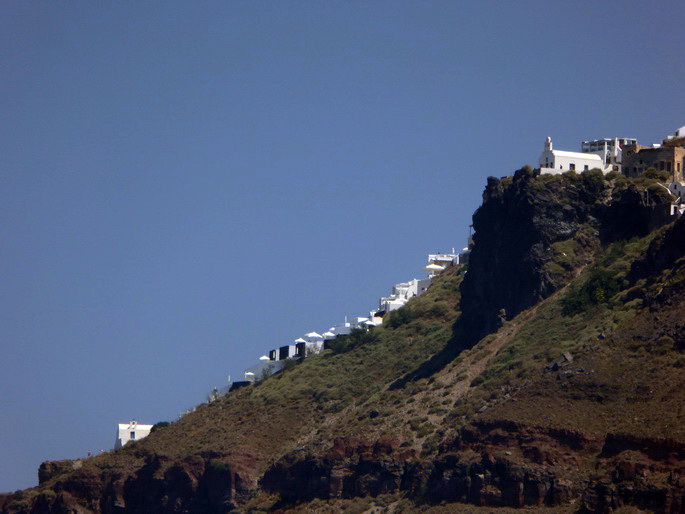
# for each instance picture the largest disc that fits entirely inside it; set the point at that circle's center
(472, 366)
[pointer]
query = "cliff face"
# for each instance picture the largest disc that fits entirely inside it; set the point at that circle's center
(194, 484)
(577, 410)
(514, 263)
(495, 464)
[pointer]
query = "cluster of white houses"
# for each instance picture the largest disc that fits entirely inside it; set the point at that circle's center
(625, 155)
(315, 342)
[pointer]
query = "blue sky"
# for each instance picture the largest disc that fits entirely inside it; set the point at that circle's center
(184, 186)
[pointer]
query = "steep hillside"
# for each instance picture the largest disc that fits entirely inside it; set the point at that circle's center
(559, 386)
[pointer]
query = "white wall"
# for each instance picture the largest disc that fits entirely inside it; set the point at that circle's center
(555, 162)
(124, 433)
(677, 189)
(559, 161)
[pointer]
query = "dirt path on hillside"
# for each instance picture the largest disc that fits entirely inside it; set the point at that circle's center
(475, 363)
(472, 365)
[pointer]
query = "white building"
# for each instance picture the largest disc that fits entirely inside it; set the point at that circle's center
(313, 337)
(266, 367)
(677, 134)
(559, 161)
(439, 261)
(609, 150)
(287, 352)
(403, 292)
(341, 329)
(131, 432)
(375, 318)
(677, 189)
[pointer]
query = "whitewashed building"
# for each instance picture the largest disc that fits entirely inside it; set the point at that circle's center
(265, 368)
(677, 134)
(403, 292)
(375, 319)
(677, 189)
(439, 261)
(390, 303)
(287, 352)
(609, 150)
(132, 431)
(341, 329)
(560, 161)
(313, 337)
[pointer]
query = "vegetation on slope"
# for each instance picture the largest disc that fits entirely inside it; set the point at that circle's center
(581, 311)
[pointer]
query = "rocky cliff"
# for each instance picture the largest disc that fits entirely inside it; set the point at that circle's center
(532, 233)
(559, 384)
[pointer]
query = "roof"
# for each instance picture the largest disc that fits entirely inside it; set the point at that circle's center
(137, 426)
(578, 155)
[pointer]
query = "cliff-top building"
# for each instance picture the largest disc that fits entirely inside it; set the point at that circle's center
(621, 154)
(601, 154)
(669, 156)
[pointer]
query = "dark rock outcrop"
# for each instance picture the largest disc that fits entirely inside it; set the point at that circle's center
(52, 468)
(521, 218)
(496, 464)
(353, 467)
(198, 483)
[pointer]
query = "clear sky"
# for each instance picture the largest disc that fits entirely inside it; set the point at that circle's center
(186, 185)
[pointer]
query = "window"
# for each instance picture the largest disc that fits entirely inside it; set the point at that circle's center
(133, 436)
(586, 167)
(572, 167)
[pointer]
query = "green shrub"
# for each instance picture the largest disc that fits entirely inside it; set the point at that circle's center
(660, 175)
(597, 289)
(430, 444)
(438, 310)
(662, 345)
(594, 180)
(357, 337)
(400, 317)
(159, 425)
(425, 429)
(289, 364)
(218, 467)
